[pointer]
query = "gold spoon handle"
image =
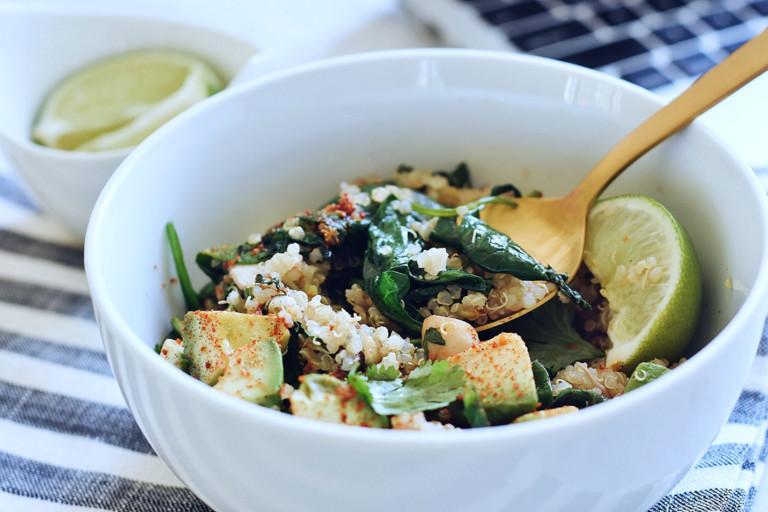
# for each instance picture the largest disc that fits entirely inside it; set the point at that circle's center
(742, 66)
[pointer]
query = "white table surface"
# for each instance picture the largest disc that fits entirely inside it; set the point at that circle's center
(310, 29)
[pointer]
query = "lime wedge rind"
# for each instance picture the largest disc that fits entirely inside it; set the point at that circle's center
(647, 267)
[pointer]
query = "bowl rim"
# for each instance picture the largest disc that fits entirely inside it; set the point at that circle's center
(753, 304)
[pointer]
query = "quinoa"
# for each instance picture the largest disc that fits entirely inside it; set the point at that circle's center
(315, 277)
(593, 377)
(335, 338)
(290, 284)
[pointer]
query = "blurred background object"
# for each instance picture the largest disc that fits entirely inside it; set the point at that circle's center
(661, 45)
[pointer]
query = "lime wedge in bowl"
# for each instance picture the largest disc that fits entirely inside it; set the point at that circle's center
(117, 102)
(649, 273)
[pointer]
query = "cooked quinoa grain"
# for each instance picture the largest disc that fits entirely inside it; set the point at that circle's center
(365, 312)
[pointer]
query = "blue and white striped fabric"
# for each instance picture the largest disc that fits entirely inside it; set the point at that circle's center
(68, 442)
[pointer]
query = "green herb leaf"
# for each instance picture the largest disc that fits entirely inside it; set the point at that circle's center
(433, 336)
(551, 338)
(382, 373)
(360, 383)
(428, 387)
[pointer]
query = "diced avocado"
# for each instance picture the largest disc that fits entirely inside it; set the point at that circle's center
(210, 336)
(326, 398)
(254, 373)
(545, 413)
(173, 352)
(643, 374)
(500, 372)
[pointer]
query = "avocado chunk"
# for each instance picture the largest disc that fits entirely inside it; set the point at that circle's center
(643, 374)
(173, 352)
(211, 336)
(499, 370)
(545, 413)
(326, 398)
(254, 373)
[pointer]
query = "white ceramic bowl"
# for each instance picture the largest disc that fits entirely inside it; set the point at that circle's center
(250, 157)
(66, 184)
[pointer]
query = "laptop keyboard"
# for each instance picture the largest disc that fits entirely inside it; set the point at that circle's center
(653, 43)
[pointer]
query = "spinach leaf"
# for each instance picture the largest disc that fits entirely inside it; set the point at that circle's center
(446, 232)
(386, 276)
(328, 229)
(293, 368)
(450, 275)
(458, 177)
(190, 296)
(214, 262)
(551, 337)
(580, 398)
(543, 384)
(387, 290)
(423, 289)
(495, 252)
(503, 189)
(393, 281)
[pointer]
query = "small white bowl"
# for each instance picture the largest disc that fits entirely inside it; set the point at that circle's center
(250, 157)
(58, 42)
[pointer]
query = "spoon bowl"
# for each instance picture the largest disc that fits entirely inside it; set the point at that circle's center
(553, 230)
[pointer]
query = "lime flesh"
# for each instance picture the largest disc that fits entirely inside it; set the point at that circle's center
(117, 102)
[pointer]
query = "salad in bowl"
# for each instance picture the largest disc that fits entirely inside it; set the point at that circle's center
(366, 312)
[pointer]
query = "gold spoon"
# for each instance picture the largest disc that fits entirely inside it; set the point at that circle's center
(553, 229)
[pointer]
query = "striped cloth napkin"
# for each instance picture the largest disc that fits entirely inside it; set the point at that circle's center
(69, 443)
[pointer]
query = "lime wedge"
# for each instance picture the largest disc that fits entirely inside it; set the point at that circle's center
(117, 102)
(647, 267)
